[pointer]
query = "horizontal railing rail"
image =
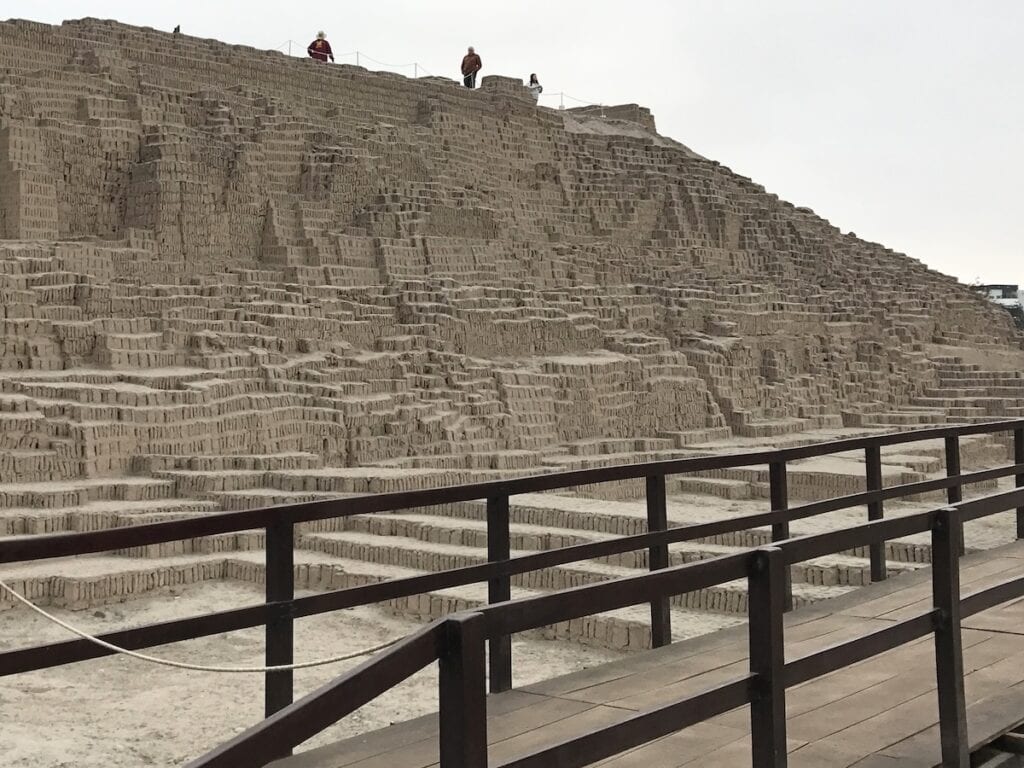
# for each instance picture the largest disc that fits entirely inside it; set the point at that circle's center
(858, 649)
(544, 610)
(991, 597)
(642, 728)
(461, 649)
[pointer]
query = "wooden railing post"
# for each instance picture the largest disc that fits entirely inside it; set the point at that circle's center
(766, 591)
(949, 661)
(779, 491)
(463, 697)
(873, 462)
(657, 558)
(955, 493)
(499, 590)
(1018, 458)
(280, 584)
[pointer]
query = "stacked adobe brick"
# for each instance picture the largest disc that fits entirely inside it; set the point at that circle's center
(238, 278)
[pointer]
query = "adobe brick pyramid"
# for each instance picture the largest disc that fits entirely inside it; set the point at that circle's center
(229, 279)
(210, 250)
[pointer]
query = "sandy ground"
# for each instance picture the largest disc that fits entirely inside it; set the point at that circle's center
(123, 713)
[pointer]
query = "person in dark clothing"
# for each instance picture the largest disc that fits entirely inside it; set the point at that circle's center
(177, 30)
(471, 64)
(320, 49)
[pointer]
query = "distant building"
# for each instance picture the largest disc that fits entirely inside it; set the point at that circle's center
(1007, 296)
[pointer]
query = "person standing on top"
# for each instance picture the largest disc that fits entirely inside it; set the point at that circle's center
(471, 64)
(535, 88)
(320, 49)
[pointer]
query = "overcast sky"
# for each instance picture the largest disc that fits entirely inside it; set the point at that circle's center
(901, 121)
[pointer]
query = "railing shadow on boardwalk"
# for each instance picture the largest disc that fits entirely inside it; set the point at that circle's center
(458, 642)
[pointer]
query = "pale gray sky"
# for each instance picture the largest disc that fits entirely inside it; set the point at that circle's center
(901, 121)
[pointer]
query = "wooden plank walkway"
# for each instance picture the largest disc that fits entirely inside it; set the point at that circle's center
(879, 713)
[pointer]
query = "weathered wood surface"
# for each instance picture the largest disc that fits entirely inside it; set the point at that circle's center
(881, 712)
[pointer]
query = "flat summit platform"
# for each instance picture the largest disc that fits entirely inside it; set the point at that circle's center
(881, 712)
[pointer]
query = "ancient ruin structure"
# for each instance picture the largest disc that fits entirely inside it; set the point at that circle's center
(229, 278)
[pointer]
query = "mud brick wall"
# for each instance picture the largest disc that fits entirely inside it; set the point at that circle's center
(209, 250)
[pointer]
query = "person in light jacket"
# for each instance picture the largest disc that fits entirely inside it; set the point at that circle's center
(535, 88)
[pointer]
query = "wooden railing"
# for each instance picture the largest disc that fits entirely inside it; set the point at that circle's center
(458, 644)
(281, 608)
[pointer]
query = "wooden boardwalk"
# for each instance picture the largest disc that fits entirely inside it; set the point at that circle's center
(881, 712)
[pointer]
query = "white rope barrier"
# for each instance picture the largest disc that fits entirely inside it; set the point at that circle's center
(581, 101)
(385, 64)
(359, 57)
(562, 96)
(301, 53)
(182, 665)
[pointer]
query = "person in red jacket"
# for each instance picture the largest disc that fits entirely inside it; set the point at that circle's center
(471, 64)
(320, 49)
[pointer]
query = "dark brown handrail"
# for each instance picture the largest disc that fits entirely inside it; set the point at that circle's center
(976, 602)
(25, 548)
(518, 615)
(70, 651)
(641, 728)
(859, 649)
(545, 610)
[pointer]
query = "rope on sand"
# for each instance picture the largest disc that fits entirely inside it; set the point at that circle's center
(182, 665)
